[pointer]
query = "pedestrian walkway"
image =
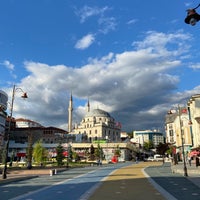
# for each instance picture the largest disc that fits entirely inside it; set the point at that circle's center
(155, 182)
(179, 186)
(143, 180)
(128, 183)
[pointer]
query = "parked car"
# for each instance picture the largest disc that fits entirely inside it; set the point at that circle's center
(156, 157)
(151, 158)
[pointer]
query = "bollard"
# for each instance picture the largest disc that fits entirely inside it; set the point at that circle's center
(55, 171)
(52, 172)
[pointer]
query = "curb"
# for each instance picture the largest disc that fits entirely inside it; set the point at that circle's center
(10, 180)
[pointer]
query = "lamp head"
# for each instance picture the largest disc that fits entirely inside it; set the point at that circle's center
(24, 96)
(192, 17)
(190, 122)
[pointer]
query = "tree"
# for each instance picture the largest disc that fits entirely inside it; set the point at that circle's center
(60, 156)
(30, 150)
(117, 151)
(92, 150)
(162, 148)
(98, 152)
(148, 145)
(75, 156)
(39, 153)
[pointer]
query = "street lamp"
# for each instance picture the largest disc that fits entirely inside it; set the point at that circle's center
(182, 141)
(192, 16)
(24, 96)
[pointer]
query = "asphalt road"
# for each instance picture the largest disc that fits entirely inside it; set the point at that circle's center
(74, 184)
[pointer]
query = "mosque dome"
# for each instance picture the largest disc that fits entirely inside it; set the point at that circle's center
(97, 113)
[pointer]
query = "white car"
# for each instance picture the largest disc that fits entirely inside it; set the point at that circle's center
(151, 159)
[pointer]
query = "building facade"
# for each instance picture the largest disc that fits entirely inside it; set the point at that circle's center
(99, 125)
(3, 115)
(25, 123)
(194, 115)
(178, 128)
(96, 125)
(141, 137)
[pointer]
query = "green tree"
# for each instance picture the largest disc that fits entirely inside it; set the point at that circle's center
(117, 151)
(148, 145)
(39, 153)
(29, 150)
(75, 156)
(98, 152)
(60, 156)
(92, 151)
(162, 148)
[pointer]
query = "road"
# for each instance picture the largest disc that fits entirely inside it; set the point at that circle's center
(73, 184)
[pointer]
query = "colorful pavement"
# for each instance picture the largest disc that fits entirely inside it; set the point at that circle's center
(143, 180)
(128, 183)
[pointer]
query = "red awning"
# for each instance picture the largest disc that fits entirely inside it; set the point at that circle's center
(21, 154)
(194, 153)
(65, 153)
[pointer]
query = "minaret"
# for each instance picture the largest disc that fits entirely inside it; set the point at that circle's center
(70, 109)
(88, 106)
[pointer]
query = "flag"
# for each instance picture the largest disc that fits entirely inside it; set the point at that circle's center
(118, 124)
(184, 110)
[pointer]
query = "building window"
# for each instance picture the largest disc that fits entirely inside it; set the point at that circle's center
(171, 132)
(95, 131)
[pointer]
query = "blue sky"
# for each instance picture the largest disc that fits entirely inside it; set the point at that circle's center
(133, 59)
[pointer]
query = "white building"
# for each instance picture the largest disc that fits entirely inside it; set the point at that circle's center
(25, 123)
(141, 137)
(97, 124)
(194, 114)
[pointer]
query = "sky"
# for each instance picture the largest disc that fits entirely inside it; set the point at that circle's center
(134, 59)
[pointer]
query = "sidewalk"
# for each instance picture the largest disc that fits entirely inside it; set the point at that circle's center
(192, 171)
(171, 178)
(150, 181)
(144, 180)
(18, 175)
(128, 183)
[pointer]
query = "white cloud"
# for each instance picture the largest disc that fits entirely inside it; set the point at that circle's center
(8, 65)
(195, 66)
(134, 86)
(85, 41)
(87, 12)
(107, 24)
(132, 21)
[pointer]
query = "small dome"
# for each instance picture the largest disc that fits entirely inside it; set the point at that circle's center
(97, 113)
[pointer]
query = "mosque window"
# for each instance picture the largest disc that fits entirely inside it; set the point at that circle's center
(95, 131)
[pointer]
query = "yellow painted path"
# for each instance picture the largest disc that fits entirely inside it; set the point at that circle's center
(127, 183)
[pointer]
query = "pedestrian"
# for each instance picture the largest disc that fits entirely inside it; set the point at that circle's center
(136, 159)
(197, 161)
(189, 160)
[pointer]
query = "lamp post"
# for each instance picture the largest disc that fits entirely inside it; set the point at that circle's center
(182, 142)
(24, 96)
(107, 149)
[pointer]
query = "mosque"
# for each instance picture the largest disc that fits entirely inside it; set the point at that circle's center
(97, 125)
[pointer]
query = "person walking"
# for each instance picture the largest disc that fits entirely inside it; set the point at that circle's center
(197, 161)
(189, 160)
